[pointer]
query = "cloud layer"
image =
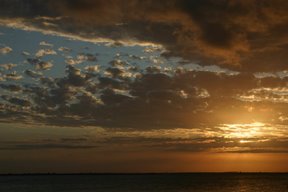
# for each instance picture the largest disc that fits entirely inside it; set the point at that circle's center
(244, 35)
(159, 100)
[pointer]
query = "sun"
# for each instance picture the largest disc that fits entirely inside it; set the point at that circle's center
(243, 131)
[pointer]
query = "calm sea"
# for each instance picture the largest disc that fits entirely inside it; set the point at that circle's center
(196, 182)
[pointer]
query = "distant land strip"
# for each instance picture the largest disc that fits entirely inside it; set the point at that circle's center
(148, 173)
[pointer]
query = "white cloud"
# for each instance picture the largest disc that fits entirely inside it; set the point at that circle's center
(64, 49)
(8, 66)
(33, 74)
(43, 65)
(94, 68)
(24, 25)
(81, 58)
(71, 61)
(13, 76)
(44, 43)
(5, 50)
(275, 95)
(25, 53)
(43, 52)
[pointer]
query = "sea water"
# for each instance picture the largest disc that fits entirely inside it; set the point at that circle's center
(194, 182)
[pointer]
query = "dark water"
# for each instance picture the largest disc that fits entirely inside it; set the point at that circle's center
(232, 182)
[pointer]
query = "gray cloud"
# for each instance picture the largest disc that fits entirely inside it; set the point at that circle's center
(150, 100)
(16, 101)
(248, 36)
(13, 76)
(245, 36)
(33, 74)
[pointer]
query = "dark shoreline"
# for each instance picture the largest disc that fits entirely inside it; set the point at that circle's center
(176, 173)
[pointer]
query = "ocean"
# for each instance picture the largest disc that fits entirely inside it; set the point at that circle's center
(192, 182)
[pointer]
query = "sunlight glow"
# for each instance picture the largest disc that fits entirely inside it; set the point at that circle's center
(243, 131)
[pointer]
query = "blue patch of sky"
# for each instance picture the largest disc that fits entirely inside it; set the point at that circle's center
(28, 41)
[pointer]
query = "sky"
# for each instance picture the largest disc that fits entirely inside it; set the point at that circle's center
(143, 86)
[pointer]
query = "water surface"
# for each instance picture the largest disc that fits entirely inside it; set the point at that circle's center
(195, 182)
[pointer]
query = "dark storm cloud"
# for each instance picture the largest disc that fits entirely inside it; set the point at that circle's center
(248, 35)
(24, 8)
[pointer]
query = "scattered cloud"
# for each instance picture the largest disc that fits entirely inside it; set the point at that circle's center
(40, 65)
(44, 43)
(8, 66)
(92, 68)
(227, 33)
(13, 76)
(43, 52)
(33, 74)
(25, 53)
(64, 49)
(145, 99)
(11, 87)
(81, 58)
(221, 67)
(5, 50)
(16, 101)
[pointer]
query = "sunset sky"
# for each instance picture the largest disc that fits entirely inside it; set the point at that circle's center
(143, 86)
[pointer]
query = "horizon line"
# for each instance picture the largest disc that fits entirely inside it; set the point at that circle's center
(139, 173)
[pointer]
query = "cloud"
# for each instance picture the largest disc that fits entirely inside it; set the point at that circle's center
(71, 61)
(43, 52)
(44, 43)
(94, 68)
(8, 66)
(65, 143)
(5, 50)
(183, 110)
(150, 99)
(120, 94)
(163, 104)
(64, 49)
(13, 76)
(40, 65)
(16, 101)
(33, 74)
(151, 92)
(43, 65)
(11, 87)
(157, 97)
(25, 53)
(247, 36)
(81, 58)
(276, 94)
